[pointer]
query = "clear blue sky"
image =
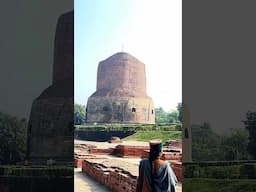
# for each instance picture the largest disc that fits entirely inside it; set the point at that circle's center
(149, 30)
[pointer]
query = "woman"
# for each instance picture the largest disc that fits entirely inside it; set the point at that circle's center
(155, 175)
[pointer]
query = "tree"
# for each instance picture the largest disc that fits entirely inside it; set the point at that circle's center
(168, 117)
(235, 146)
(250, 125)
(172, 117)
(79, 113)
(13, 134)
(179, 109)
(206, 145)
(161, 115)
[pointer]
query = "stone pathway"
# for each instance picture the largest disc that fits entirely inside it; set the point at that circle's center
(84, 183)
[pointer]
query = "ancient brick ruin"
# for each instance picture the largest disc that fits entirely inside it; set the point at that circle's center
(50, 132)
(121, 93)
(105, 165)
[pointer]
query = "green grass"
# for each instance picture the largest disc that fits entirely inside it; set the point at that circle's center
(149, 135)
(219, 185)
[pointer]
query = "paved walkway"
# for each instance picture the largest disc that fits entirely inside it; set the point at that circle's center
(84, 183)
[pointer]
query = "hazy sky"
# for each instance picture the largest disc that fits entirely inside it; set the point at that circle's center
(149, 30)
(219, 62)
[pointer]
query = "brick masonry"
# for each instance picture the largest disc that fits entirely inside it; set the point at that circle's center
(115, 178)
(50, 131)
(121, 92)
(116, 174)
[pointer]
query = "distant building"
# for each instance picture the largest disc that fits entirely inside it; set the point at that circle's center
(121, 95)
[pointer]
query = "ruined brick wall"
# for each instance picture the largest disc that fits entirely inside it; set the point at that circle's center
(114, 178)
(121, 93)
(118, 179)
(177, 168)
(129, 151)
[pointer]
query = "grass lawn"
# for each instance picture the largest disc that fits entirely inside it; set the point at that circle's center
(219, 185)
(149, 135)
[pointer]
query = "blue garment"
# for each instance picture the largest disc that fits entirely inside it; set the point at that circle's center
(164, 179)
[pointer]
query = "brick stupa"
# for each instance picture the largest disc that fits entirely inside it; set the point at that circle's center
(50, 132)
(121, 95)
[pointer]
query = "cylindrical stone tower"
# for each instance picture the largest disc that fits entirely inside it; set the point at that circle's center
(121, 93)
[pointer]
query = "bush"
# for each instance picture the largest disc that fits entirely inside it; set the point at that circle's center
(131, 127)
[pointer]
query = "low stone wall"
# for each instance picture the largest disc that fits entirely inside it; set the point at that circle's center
(114, 178)
(80, 158)
(174, 144)
(129, 151)
(172, 156)
(177, 168)
(165, 155)
(101, 151)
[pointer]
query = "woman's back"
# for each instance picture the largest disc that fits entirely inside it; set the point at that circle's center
(159, 176)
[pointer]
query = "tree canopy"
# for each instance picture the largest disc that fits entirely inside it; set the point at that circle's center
(79, 114)
(250, 125)
(13, 135)
(208, 146)
(169, 117)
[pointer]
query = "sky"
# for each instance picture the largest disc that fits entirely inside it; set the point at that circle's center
(147, 29)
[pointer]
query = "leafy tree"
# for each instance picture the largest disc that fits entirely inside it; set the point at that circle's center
(179, 109)
(13, 134)
(161, 115)
(208, 146)
(235, 146)
(168, 117)
(79, 113)
(250, 125)
(205, 143)
(172, 117)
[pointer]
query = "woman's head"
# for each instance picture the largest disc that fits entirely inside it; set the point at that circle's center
(155, 149)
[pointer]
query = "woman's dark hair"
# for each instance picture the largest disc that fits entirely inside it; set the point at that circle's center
(155, 150)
